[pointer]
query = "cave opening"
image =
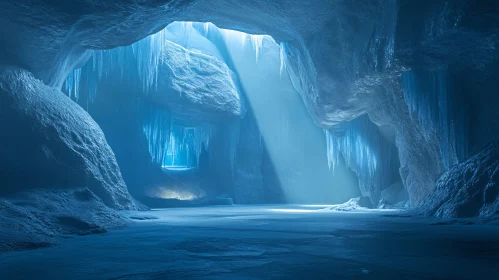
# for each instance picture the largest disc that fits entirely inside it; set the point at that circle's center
(219, 116)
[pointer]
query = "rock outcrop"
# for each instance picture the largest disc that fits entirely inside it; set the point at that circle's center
(468, 189)
(196, 85)
(59, 175)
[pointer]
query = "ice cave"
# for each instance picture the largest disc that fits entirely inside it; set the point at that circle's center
(277, 139)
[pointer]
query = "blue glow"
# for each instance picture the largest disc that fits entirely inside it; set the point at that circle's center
(171, 144)
(365, 151)
(431, 96)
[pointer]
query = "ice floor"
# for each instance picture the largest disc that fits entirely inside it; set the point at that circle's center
(268, 242)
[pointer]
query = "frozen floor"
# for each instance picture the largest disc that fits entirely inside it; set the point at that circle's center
(268, 242)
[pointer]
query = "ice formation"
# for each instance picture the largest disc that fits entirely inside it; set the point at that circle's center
(72, 84)
(170, 143)
(173, 144)
(430, 96)
(282, 57)
(365, 151)
(143, 58)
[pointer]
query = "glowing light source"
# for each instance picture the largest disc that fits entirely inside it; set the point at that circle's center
(173, 193)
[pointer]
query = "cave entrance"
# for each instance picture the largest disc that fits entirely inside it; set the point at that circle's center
(210, 113)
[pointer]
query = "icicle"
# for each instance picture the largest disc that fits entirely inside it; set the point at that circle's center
(282, 56)
(243, 40)
(206, 26)
(77, 78)
(257, 42)
(72, 84)
(364, 151)
(68, 84)
(174, 145)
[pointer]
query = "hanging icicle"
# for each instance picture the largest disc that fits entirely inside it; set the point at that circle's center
(430, 95)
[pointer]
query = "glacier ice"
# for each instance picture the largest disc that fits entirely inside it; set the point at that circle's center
(431, 96)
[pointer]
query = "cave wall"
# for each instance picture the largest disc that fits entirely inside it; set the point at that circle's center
(368, 45)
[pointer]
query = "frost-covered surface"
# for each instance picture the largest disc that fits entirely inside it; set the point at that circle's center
(200, 79)
(63, 145)
(58, 173)
(261, 242)
(352, 205)
(43, 217)
(468, 189)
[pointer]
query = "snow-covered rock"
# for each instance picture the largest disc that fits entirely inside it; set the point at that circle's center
(52, 142)
(361, 203)
(59, 176)
(468, 189)
(42, 217)
(194, 84)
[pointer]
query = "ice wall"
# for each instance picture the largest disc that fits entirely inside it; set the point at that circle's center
(435, 101)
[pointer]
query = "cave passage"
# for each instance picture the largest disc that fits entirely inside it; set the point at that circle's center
(229, 139)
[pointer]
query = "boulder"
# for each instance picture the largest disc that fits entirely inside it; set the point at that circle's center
(468, 189)
(51, 142)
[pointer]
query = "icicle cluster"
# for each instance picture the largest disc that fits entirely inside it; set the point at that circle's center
(365, 151)
(172, 144)
(143, 58)
(431, 96)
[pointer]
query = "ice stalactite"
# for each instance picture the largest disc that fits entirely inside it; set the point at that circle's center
(142, 57)
(72, 84)
(173, 144)
(156, 127)
(257, 43)
(148, 52)
(431, 96)
(282, 57)
(365, 151)
(255, 39)
(206, 28)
